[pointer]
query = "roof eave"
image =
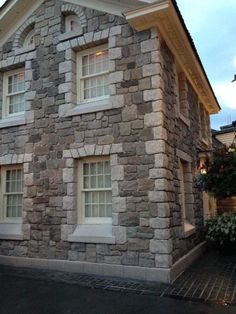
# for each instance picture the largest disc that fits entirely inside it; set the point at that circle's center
(166, 17)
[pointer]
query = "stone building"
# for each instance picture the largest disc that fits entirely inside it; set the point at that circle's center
(104, 109)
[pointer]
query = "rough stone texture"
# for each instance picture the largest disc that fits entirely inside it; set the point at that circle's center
(141, 134)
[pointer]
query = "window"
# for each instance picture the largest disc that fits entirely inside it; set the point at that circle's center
(182, 93)
(186, 196)
(72, 24)
(93, 75)
(182, 189)
(95, 193)
(203, 122)
(29, 40)
(13, 93)
(11, 193)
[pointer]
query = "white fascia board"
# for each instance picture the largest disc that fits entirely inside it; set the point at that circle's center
(157, 6)
(14, 16)
(111, 6)
(8, 8)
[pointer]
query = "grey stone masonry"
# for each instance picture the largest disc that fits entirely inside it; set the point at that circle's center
(139, 128)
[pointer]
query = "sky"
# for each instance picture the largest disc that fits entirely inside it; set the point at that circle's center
(212, 25)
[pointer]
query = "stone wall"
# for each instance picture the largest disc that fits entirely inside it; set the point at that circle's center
(141, 132)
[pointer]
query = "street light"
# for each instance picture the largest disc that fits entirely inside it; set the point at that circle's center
(234, 79)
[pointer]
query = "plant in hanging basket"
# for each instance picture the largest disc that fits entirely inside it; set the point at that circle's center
(219, 178)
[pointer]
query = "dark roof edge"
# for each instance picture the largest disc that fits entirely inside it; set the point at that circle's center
(5, 4)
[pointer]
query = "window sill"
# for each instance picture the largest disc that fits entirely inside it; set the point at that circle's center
(204, 141)
(11, 231)
(69, 35)
(184, 119)
(90, 107)
(13, 121)
(189, 229)
(93, 234)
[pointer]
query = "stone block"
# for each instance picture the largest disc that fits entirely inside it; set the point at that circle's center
(161, 161)
(130, 258)
(155, 147)
(158, 196)
(129, 219)
(129, 113)
(119, 204)
(149, 45)
(116, 77)
(163, 234)
(154, 119)
(115, 53)
(163, 260)
(159, 223)
(120, 234)
(117, 173)
(136, 244)
(161, 246)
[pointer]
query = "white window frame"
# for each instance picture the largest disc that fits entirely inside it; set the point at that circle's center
(5, 103)
(81, 78)
(27, 40)
(68, 20)
(188, 227)
(203, 123)
(3, 208)
(81, 202)
(182, 189)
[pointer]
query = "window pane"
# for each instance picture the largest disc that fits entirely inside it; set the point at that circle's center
(88, 211)
(14, 206)
(14, 181)
(95, 63)
(98, 204)
(96, 87)
(16, 103)
(16, 83)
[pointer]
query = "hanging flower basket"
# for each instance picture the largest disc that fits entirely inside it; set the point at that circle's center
(219, 177)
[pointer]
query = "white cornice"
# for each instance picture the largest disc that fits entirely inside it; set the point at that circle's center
(14, 15)
(164, 17)
(116, 7)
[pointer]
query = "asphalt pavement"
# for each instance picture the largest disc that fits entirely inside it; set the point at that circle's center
(34, 294)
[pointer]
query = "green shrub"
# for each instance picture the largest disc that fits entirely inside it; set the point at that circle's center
(222, 229)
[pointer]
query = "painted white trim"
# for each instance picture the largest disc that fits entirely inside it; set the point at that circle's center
(6, 95)
(110, 6)
(13, 121)
(81, 78)
(14, 16)
(93, 222)
(3, 206)
(11, 231)
(93, 234)
(99, 105)
(189, 229)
